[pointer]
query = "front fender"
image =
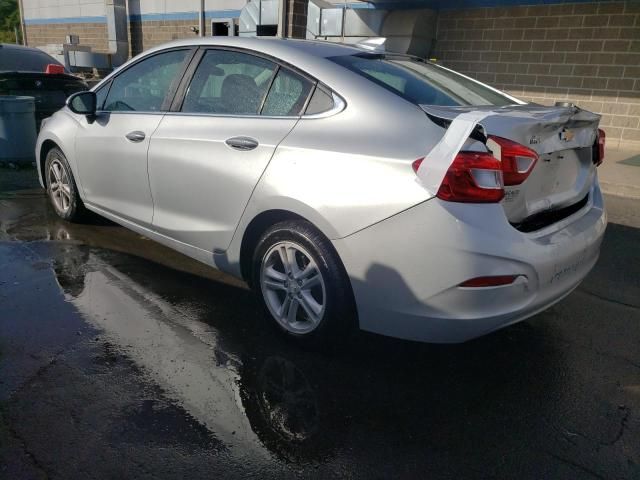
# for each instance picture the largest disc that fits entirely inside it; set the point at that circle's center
(60, 129)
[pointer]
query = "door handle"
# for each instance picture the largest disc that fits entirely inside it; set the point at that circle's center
(135, 137)
(242, 143)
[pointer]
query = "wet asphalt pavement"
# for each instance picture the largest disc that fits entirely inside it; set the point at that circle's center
(122, 359)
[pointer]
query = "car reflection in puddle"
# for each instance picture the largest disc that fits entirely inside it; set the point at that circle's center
(248, 401)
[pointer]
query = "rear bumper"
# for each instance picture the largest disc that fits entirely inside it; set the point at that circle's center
(405, 271)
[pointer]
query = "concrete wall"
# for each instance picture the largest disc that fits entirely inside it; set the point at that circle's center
(91, 34)
(588, 53)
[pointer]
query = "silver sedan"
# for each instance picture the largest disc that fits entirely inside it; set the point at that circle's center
(347, 186)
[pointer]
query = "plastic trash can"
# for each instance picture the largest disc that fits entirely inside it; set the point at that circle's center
(17, 130)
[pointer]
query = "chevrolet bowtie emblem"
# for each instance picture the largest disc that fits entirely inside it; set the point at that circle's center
(566, 135)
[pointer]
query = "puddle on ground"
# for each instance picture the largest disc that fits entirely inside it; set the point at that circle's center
(200, 337)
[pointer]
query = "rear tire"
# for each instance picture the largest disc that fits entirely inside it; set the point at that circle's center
(302, 284)
(61, 187)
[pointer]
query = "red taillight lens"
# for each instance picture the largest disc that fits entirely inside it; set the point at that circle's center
(494, 281)
(473, 177)
(601, 141)
(517, 160)
(416, 164)
(53, 68)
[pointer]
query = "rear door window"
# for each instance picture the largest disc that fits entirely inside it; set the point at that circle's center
(288, 94)
(145, 86)
(321, 101)
(229, 83)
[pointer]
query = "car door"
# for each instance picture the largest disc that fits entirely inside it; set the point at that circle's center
(206, 157)
(112, 147)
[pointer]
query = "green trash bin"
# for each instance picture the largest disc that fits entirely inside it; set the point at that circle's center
(17, 130)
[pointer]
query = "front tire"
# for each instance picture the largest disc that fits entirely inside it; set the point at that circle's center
(302, 284)
(61, 187)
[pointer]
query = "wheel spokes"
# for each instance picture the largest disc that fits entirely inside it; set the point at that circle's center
(65, 200)
(292, 314)
(275, 285)
(284, 258)
(55, 169)
(312, 281)
(59, 186)
(310, 306)
(275, 275)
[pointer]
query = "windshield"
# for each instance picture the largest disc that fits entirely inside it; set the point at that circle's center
(421, 83)
(24, 60)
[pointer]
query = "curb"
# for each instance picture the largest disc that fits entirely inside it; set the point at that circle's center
(627, 191)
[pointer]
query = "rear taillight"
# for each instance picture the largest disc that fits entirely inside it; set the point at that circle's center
(600, 141)
(480, 177)
(473, 177)
(517, 160)
(53, 68)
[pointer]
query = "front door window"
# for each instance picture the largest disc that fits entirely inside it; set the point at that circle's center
(145, 86)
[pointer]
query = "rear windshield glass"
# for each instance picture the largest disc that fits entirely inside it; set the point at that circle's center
(24, 60)
(419, 82)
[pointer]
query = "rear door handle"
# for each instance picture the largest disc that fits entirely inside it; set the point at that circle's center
(136, 136)
(242, 143)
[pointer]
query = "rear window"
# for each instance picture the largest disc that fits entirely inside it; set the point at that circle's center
(419, 82)
(24, 60)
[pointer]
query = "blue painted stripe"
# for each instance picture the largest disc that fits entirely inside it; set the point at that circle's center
(144, 17)
(359, 5)
(222, 14)
(209, 14)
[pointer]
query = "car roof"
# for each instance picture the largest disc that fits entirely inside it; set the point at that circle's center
(18, 58)
(13, 46)
(269, 45)
(309, 56)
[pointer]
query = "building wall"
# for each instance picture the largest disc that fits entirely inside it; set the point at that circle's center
(588, 53)
(91, 34)
(151, 22)
(144, 35)
(296, 18)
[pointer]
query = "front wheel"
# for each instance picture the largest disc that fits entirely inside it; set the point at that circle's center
(62, 188)
(302, 283)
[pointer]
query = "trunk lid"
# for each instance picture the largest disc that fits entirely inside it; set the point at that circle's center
(562, 136)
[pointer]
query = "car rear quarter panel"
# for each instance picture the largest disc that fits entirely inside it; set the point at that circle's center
(346, 172)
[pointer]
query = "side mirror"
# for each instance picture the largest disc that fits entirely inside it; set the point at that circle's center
(82, 103)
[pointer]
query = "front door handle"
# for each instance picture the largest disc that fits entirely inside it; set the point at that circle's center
(135, 137)
(242, 143)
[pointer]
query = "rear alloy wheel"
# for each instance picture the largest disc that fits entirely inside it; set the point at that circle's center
(302, 283)
(62, 188)
(293, 287)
